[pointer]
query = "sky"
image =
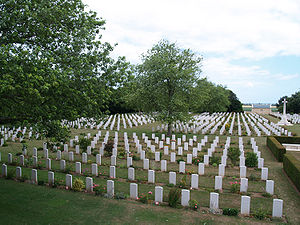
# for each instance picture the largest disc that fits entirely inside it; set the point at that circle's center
(250, 46)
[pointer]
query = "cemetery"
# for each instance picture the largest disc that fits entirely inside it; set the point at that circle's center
(212, 168)
(102, 126)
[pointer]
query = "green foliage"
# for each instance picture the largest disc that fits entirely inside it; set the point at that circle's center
(108, 148)
(84, 143)
(54, 130)
(174, 197)
(41, 182)
(100, 190)
(233, 154)
(251, 159)
(53, 64)
(230, 211)
(182, 183)
(292, 168)
(193, 204)
(293, 103)
(135, 158)
(260, 213)
(276, 148)
(197, 160)
(214, 160)
(78, 185)
(165, 80)
(235, 104)
(120, 195)
(234, 187)
(145, 197)
(179, 160)
(10, 174)
(208, 97)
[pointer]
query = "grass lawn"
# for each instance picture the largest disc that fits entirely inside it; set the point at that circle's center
(24, 203)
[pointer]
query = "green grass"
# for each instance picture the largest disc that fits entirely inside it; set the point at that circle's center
(31, 204)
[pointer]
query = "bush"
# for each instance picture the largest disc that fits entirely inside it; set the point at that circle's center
(230, 211)
(108, 148)
(179, 160)
(41, 182)
(84, 143)
(135, 158)
(78, 185)
(182, 183)
(145, 197)
(251, 159)
(260, 214)
(193, 204)
(120, 195)
(197, 160)
(214, 159)
(276, 148)
(292, 168)
(233, 154)
(100, 190)
(174, 197)
(234, 187)
(10, 174)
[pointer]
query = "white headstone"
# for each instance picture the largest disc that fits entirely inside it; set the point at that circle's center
(185, 197)
(158, 194)
(133, 191)
(172, 178)
(195, 181)
(214, 201)
(277, 208)
(131, 173)
(245, 205)
(151, 176)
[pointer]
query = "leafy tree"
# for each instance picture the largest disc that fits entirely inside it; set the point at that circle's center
(53, 64)
(235, 104)
(208, 97)
(293, 103)
(165, 78)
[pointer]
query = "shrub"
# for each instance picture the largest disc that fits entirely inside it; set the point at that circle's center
(253, 177)
(84, 143)
(267, 195)
(235, 187)
(179, 160)
(193, 204)
(230, 211)
(233, 154)
(120, 195)
(108, 148)
(292, 168)
(170, 185)
(135, 158)
(145, 197)
(10, 174)
(78, 185)
(68, 169)
(41, 182)
(100, 190)
(260, 214)
(182, 183)
(197, 160)
(174, 197)
(86, 172)
(24, 178)
(251, 159)
(214, 159)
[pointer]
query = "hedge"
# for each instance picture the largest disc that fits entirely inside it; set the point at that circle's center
(292, 167)
(288, 140)
(276, 148)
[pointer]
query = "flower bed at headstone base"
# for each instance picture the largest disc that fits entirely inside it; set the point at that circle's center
(292, 167)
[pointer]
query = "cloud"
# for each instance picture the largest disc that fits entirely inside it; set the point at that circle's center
(222, 31)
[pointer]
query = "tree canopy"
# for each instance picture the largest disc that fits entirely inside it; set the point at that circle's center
(53, 64)
(293, 103)
(165, 79)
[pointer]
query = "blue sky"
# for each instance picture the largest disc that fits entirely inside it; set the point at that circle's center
(250, 46)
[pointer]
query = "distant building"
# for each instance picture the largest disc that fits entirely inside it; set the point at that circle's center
(261, 108)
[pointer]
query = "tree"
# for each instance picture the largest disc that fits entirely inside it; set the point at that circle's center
(53, 64)
(293, 103)
(208, 97)
(235, 104)
(166, 77)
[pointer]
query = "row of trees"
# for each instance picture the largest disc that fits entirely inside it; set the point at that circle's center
(54, 66)
(293, 103)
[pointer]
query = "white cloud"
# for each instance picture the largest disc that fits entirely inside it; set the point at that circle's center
(229, 29)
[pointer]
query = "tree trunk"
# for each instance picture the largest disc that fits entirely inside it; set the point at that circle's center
(169, 129)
